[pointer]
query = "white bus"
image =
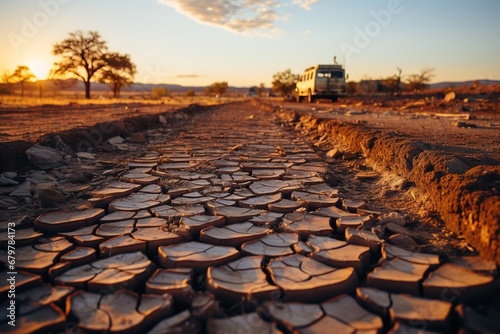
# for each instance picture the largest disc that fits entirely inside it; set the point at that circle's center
(321, 82)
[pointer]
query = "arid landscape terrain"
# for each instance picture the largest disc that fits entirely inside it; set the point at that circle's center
(394, 189)
(29, 120)
(249, 167)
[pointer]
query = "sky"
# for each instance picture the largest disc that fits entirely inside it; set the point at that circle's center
(245, 42)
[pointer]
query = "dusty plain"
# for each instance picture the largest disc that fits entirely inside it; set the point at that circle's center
(264, 214)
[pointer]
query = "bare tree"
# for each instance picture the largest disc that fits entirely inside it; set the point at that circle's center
(118, 73)
(83, 55)
(416, 82)
(22, 74)
(398, 77)
(284, 82)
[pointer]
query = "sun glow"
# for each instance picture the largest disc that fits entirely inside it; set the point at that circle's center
(40, 68)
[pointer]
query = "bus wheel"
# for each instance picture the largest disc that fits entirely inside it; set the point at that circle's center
(310, 98)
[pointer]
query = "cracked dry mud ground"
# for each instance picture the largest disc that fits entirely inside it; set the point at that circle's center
(233, 223)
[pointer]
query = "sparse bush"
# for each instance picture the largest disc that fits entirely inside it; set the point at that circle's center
(190, 93)
(21, 75)
(159, 92)
(368, 86)
(416, 82)
(351, 87)
(217, 88)
(284, 82)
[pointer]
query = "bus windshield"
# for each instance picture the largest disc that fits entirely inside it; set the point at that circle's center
(330, 74)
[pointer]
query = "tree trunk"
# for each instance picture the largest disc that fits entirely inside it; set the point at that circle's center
(87, 89)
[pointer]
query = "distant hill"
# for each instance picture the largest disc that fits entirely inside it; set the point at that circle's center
(74, 85)
(448, 84)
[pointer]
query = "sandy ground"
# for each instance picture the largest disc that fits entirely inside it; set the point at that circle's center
(28, 122)
(464, 131)
(468, 126)
(469, 129)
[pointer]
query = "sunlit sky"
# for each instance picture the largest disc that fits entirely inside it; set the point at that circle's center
(244, 42)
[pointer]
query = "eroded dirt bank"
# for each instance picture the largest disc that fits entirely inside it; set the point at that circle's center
(467, 199)
(83, 138)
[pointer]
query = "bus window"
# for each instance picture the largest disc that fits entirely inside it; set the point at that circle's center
(330, 74)
(337, 74)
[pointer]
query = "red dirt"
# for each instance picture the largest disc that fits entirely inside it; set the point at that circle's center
(455, 169)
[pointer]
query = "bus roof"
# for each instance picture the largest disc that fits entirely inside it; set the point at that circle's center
(325, 66)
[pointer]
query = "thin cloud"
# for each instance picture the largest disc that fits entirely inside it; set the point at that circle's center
(189, 76)
(239, 16)
(306, 4)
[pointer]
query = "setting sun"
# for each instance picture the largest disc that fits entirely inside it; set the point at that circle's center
(40, 68)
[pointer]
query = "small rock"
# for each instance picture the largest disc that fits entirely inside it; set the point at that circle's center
(10, 175)
(37, 177)
(7, 203)
(44, 157)
(162, 119)
(388, 113)
(24, 190)
(393, 217)
(466, 107)
(379, 231)
(459, 124)
(449, 97)
(354, 112)
(137, 138)
(50, 198)
(366, 175)
(400, 184)
(79, 177)
(334, 153)
(85, 155)
(456, 166)
(116, 140)
(398, 229)
(4, 181)
(402, 240)
(349, 156)
(475, 322)
(43, 186)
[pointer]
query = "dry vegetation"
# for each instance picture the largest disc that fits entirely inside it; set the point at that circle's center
(30, 117)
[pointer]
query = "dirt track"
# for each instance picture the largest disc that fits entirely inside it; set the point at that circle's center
(469, 129)
(233, 215)
(457, 172)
